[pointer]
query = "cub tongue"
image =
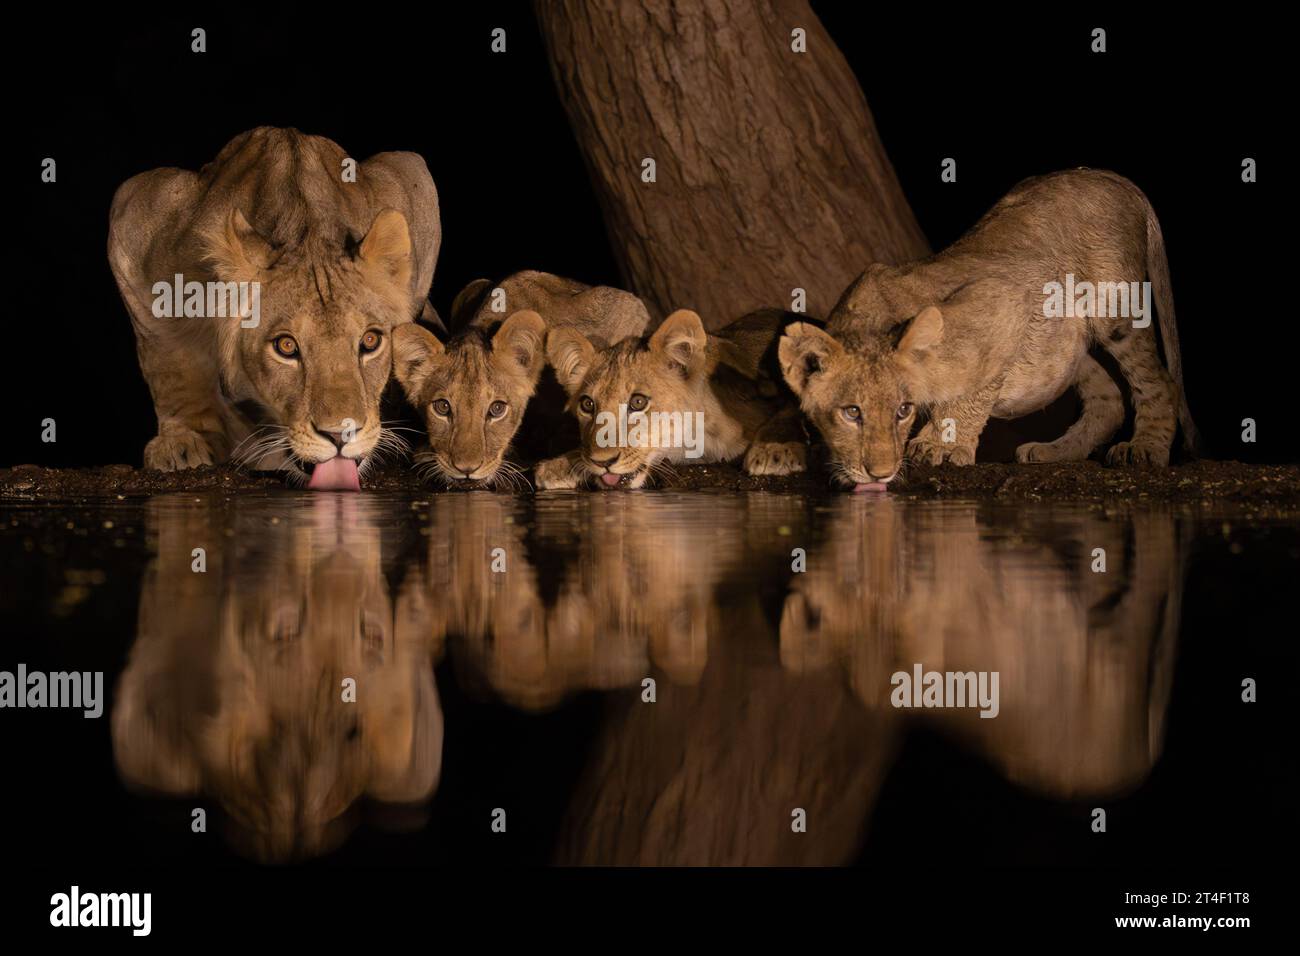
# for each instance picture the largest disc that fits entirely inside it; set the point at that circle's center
(610, 478)
(869, 486)
(337, 474)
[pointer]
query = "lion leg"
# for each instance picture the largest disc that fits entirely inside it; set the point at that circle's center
(1155, 411)
(177, 355)
(954, 429)
(779, 446)
(563, 472)
(1102, 414)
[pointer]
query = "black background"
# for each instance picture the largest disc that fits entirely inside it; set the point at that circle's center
(1173, 104)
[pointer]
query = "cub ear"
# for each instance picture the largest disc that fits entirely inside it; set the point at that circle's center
(805, 351)
(237, 252)
(682, 339)
(521, 337)
(414, 349)
(571, 355)
(922, 332)
(385, 253)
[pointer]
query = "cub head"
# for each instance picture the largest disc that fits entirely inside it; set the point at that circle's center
(863, 400)
(665, 373)
(312, 344)
(473, 392)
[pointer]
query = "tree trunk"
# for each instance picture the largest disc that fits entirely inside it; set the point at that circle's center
(769, 173)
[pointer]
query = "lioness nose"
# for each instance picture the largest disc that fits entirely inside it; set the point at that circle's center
(335, 437)
(465, 469)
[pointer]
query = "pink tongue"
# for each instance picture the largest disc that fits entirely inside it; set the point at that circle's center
(870, 486)
(610, 478)
(337, 474)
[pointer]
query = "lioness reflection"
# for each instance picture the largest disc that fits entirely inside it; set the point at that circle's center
(235, 685)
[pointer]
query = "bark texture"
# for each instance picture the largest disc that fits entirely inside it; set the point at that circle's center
(770, 175)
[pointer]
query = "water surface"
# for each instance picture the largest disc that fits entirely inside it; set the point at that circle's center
(503, 652)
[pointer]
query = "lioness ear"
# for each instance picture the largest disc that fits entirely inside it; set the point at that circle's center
(385, 253)
(467, 301)
(571, 355)
(414, 348)
(521, 337)
(805, 351)
(237, 252)
(922, 332)
(682, 339)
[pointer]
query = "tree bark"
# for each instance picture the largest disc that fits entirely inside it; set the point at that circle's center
(770, 175)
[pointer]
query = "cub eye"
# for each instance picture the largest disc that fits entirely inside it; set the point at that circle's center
(638, 402)
(586, 404)
(285, 346)
(496, 409)
(852, 413)
(904, 410)
(371, 340)
(441, 407)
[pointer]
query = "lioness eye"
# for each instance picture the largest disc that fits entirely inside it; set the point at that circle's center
(496, 409)
(852, 413)
(904, 410)
(638, 402)
(285, 346)
(371, 340)
(586, 404)
(442, 407)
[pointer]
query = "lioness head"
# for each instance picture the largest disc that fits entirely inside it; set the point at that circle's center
(473, 392)
(666, 373)
(863, 399)
(318, 357)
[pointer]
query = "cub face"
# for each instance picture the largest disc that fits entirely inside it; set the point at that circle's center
(319, 358)
(473, 393)
(862, 400)
(667, 373)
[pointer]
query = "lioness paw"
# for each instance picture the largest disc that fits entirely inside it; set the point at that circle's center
(776, 458)
(1045, 451)
(177, 447)
(554, 474)
(1137, 453)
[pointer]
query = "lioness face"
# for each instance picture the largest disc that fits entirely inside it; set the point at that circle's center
(861, 400)
(666, 374)
(319, 357)
(473, 393)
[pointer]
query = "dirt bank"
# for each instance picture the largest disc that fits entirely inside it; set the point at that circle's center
(1086, 481)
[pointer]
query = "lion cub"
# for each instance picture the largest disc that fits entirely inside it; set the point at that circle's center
(678, 395)
(1000, 325)
(474, 389)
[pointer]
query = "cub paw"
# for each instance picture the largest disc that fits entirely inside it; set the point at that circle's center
(927, 452)
(1038, 451)
(177, 447)
(1137, 453)
(555, 474)
(776, 458)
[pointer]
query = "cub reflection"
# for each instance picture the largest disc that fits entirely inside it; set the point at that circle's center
(589, 595)
(235, 685)
(1085, 658)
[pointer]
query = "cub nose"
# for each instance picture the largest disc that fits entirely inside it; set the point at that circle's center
(603, 462)
(465, 469)
(881, 475)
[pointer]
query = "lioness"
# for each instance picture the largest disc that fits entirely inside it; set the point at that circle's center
(303, 276)
(474, 389)
(682, 375)
(972, 332)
